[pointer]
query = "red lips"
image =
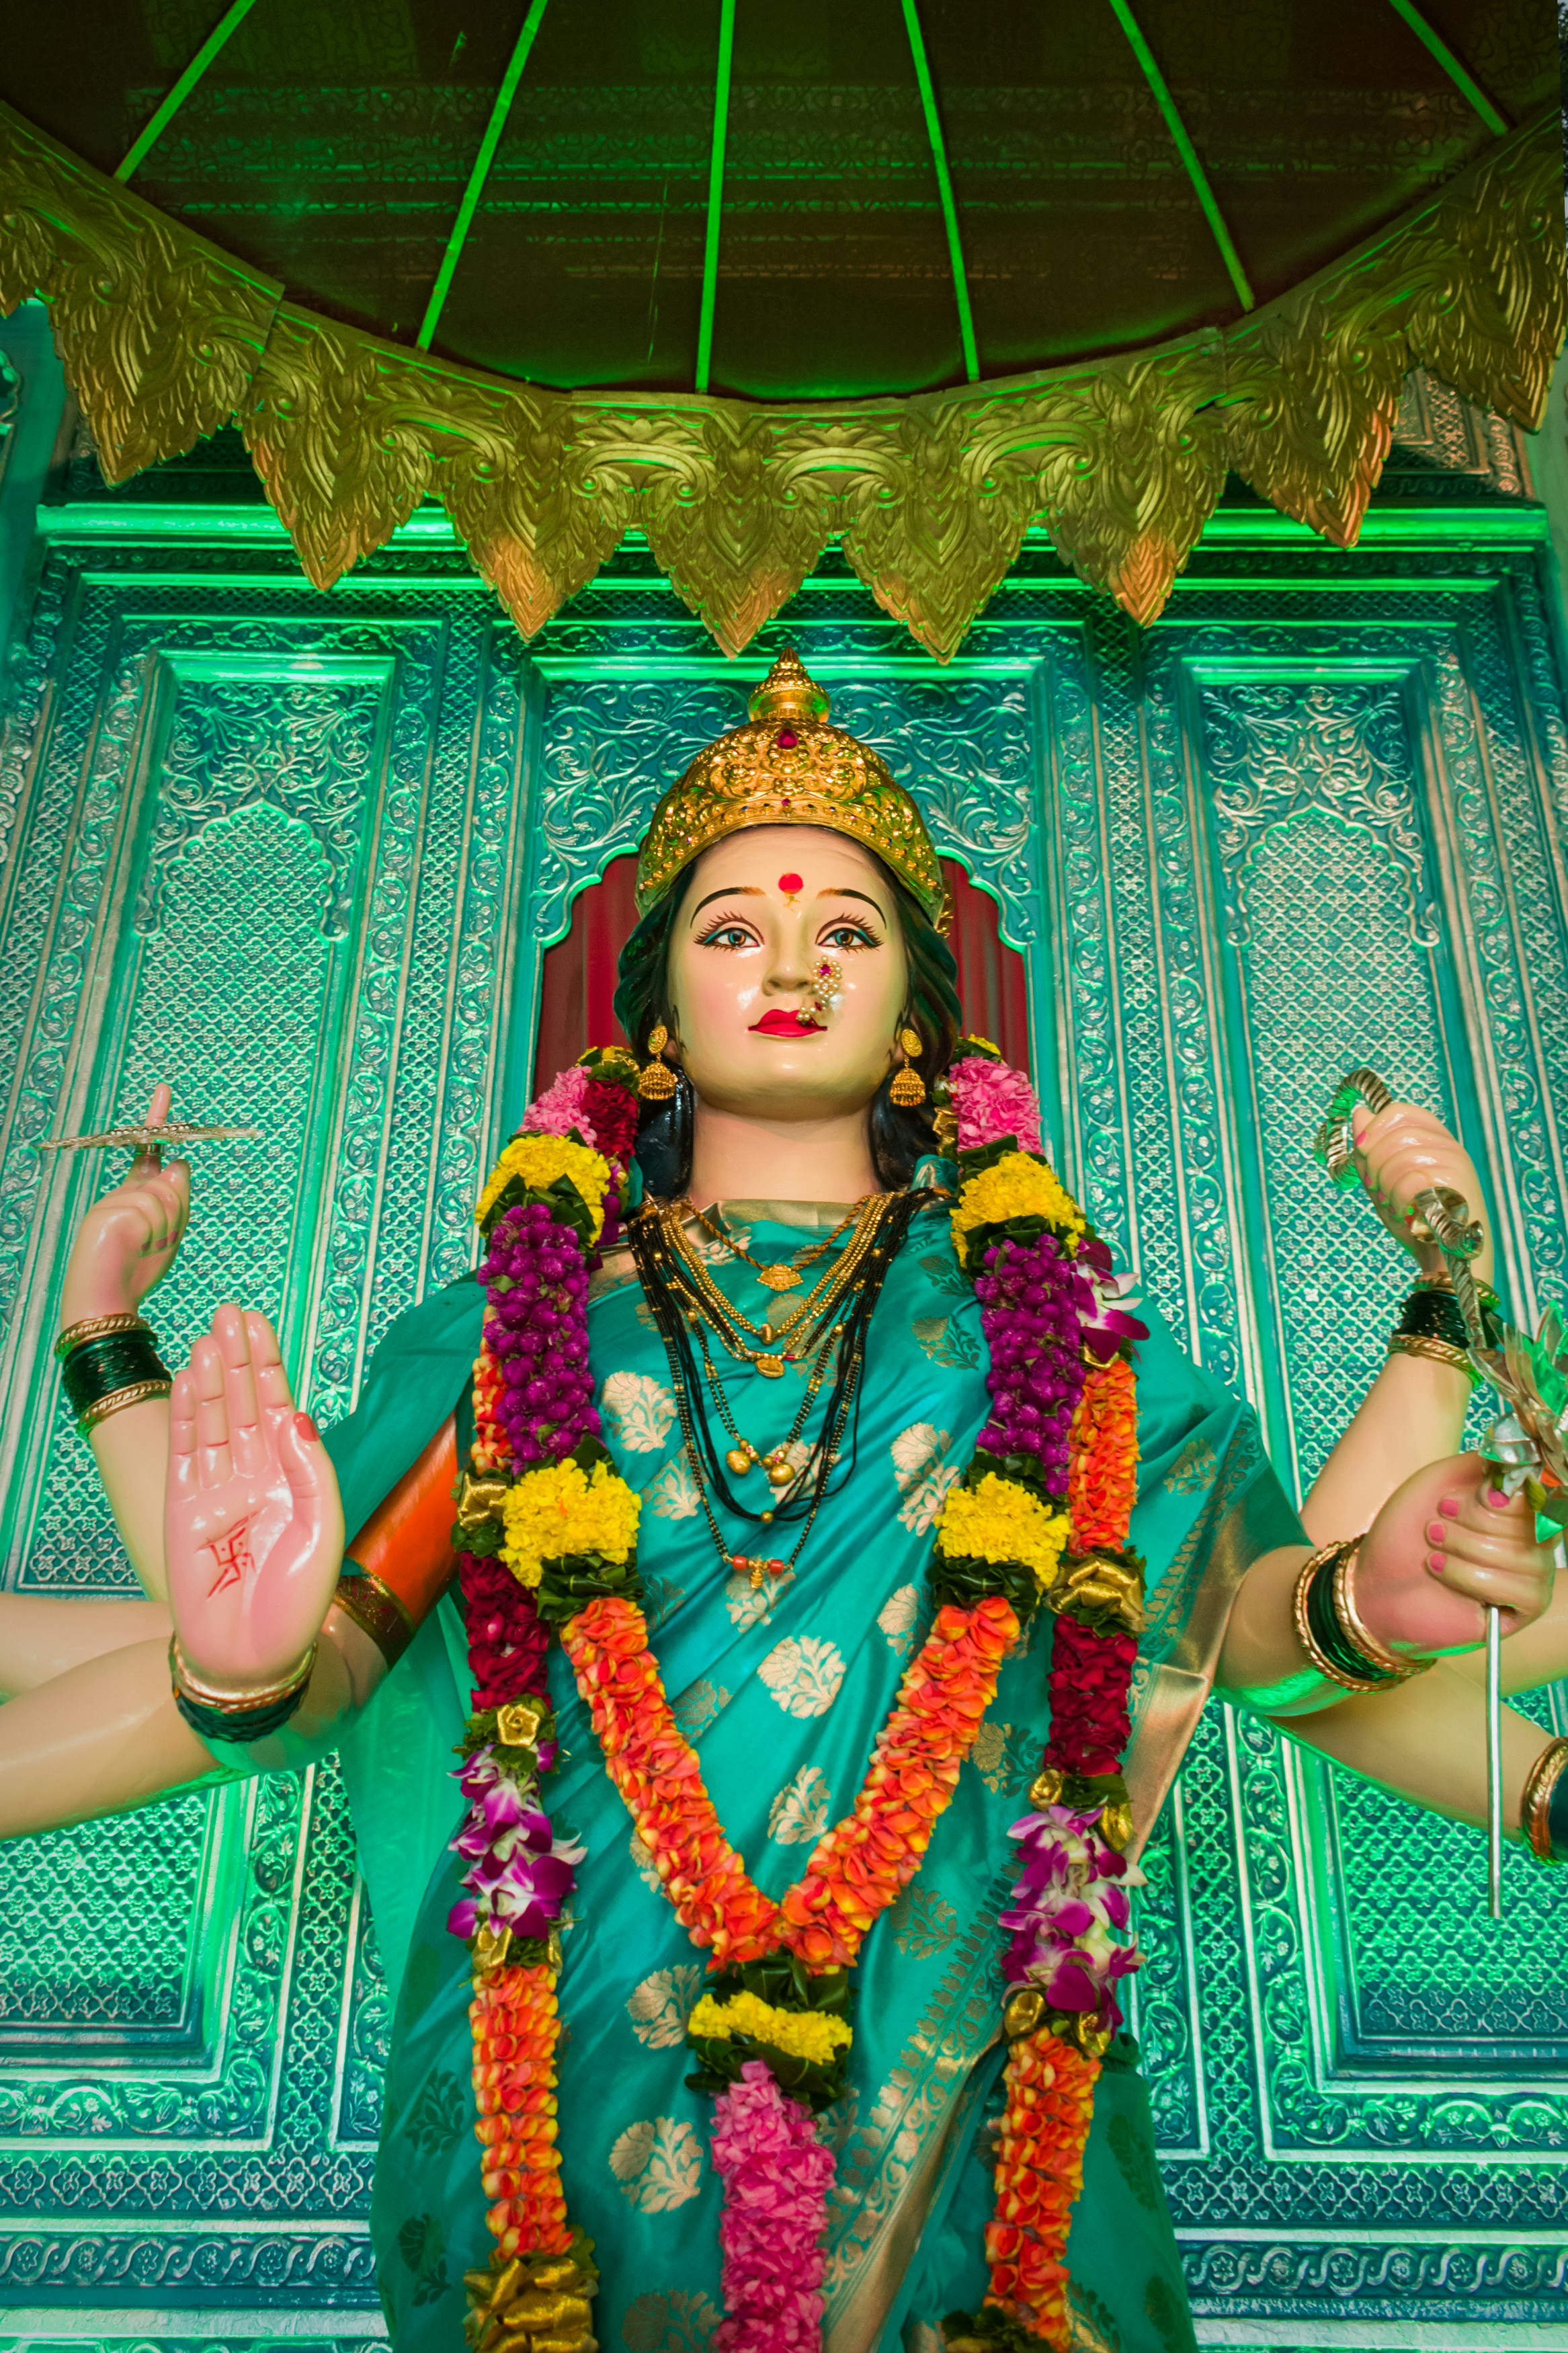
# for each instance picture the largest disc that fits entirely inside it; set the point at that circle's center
(779, 1024)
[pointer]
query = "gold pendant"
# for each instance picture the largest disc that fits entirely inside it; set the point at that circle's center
(778, 1278)
(780, 1469)
(739, 1459)
(771, 1366)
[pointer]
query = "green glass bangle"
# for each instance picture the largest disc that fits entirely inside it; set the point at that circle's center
(1331, 1636)
(120, 1360)
(1430, 1314)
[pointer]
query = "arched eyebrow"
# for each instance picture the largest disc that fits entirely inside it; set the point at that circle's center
(741, 890)
(833, 892)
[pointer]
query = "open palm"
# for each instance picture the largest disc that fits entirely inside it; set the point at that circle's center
(253, 1523)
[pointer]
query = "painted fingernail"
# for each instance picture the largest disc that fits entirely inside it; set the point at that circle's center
(1495, 1503)
(1449, 1507)
(1435, 1564)
(307, 1429)
(1436, 1534)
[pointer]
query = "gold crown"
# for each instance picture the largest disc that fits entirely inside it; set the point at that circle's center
(787, 767)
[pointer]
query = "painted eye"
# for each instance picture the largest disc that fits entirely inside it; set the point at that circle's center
(727, 936)
(848, 935)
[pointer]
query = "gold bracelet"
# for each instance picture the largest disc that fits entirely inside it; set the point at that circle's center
(1355, 1630)
(233, 1702)
(1535, 1803)
(377, 1611)
(135, 1393)
(99, 1327)
(1441, 1352)
(1304, 1634)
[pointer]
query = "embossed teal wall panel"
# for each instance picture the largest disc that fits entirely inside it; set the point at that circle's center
(311, 848)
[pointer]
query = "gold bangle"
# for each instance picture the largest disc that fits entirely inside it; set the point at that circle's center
(1441, 1352)
(377, 1611)
(233, 1702)
(135, 1393)
(1355, 1630)
(99, 1327)
(1535, 1801)
(1304, 1634)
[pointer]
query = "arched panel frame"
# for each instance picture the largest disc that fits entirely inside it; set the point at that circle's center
(599, 751)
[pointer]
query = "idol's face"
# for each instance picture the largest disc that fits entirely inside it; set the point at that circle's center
(763, 1031)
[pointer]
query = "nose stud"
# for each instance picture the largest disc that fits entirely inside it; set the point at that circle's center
(826, 981)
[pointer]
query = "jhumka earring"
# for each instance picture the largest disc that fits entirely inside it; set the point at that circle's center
(909, 1088)
(656, 1080)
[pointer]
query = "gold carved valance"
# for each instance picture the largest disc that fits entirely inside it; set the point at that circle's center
(164, 338)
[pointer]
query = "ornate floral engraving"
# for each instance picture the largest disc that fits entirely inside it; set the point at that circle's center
(1274, 750)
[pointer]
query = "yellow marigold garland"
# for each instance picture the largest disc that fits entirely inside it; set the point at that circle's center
(559, 1510)
(1000, 1521)
(539, 1162)
(1019, 1185)
(802, 2034)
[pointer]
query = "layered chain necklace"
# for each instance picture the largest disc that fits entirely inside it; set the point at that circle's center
(825, 1333)
(795, 1334)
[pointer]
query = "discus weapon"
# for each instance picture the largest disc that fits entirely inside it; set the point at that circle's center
(1528, 1443)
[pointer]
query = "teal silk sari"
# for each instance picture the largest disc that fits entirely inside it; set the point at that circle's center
(783, 1691)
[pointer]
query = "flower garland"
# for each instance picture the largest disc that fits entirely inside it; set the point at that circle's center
(547, 1538)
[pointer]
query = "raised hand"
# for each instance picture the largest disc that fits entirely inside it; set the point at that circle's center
(1399, 1153)
(253, 1523)
(128, 1241)
(1443, 1549)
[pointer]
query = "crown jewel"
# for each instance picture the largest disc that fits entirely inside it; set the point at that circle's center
(789, 766)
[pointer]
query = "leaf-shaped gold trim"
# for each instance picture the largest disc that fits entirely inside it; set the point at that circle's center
(1123, 460)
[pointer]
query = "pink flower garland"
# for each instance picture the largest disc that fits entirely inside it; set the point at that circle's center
(776, 2175)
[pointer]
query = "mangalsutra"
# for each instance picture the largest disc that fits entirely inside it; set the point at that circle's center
(778, 1461)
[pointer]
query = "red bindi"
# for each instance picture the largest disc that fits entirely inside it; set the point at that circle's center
(790, 883)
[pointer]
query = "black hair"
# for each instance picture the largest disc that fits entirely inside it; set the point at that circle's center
(899, 1139)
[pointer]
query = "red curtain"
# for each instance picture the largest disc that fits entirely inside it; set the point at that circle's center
(578, 985)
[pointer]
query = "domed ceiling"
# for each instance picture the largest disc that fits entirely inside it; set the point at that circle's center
(848, 202)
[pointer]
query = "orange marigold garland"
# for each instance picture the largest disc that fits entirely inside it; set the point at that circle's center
(547, 1535)
(859, 1867)
(1050, 2100)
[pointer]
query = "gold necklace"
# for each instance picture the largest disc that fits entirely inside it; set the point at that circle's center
(786, 1275)
(700, 1297)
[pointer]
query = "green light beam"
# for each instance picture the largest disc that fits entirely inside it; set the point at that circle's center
(1186, 150)
(479, 175)
(231, 18)
(1465, 83)
(944, 190)
(715, 191)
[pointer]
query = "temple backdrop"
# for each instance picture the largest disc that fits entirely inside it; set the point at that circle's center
(305, 854)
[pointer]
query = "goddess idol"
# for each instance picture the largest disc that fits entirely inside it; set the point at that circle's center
(795, 1532)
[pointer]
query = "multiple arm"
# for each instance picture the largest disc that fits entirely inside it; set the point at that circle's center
(249, 1550)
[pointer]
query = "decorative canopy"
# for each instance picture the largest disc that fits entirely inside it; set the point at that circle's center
(743, 278)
